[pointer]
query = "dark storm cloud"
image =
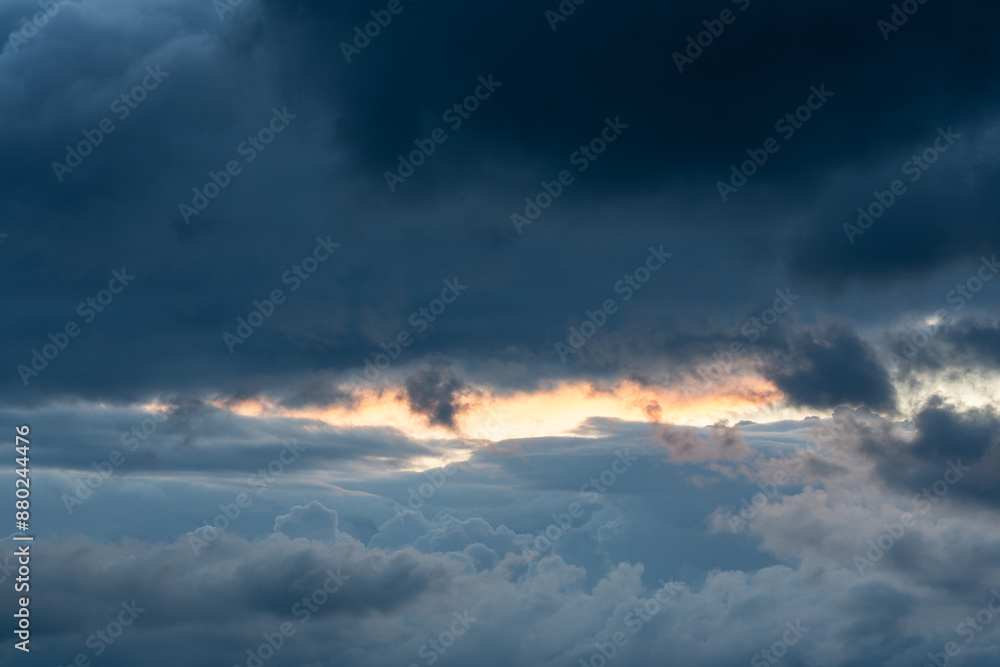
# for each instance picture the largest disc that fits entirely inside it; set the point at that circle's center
(959, 450)
(622, 56)
(315, 390)
(890, 98)
(975, 343)
(322, 177)
(435, 393)
(831, 365)
(925, 228)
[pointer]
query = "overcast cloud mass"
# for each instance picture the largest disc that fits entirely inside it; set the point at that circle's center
(546, 334)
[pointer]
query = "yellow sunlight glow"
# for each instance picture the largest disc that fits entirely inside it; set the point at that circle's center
(557, 410)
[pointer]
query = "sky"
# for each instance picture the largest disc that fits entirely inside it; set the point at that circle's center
(553, 334)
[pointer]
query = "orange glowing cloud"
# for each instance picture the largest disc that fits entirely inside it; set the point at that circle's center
(556, 410)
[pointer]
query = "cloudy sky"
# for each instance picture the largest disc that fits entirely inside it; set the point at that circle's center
(552, 334)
